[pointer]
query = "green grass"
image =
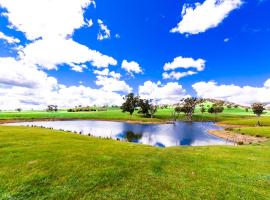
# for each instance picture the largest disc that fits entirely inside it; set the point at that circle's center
(116, 114)
(46, 164)
(254, 131)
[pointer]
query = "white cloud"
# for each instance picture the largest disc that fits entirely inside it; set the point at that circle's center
(45, 22)
(267, 83)
(89, 23)
(8, 39)
(131, 67)
(46, 18)
(104, 33)
(177, 75)
(106, 72)
(22, 81)
(65, 97)
(226, 39)
(242, 95)
(185, 63)
(201, 17)
(182, 63)
(78, 68)
(17, 73)
(52, 52)
(163, 94)
(112, 84)
(24, 86)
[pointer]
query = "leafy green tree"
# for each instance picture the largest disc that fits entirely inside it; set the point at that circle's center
(216, 108)
(176, 112)
(147, 108)
(130, 104)
(258, 109)
(189, 105)
(52, 108)
(202, 108)
(153, 110)
(19, 110)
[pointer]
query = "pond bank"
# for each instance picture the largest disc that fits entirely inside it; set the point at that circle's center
(236, 137)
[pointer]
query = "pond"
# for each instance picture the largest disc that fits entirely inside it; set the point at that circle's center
(161, 135)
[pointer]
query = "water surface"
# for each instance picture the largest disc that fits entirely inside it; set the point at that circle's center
(162, 135)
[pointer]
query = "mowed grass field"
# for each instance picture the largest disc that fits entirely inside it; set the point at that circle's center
(116, 114)
(46, 164)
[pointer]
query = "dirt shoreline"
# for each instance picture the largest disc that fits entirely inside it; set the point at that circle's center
(236, 137)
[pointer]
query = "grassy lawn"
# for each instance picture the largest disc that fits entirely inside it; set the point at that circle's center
(229, 115)
(46, 164)
(254, 131)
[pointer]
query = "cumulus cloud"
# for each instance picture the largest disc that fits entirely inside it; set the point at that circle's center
(185, 63)
(49, 53)
(17, 73)
(89, 23)
(112, 84)
(50, 32)
(65, 97)
(8, 39)
(131, 67)
(226, 39)
(25, 86)
(242, 95)
(267, 83)
(23, 81)
(106, 72)
(177, 75)
(46, 18)
(104, 32)
(182, 63)
(162, 94)
(203, 16)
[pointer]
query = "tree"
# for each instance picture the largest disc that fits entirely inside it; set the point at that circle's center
(52, 108)
(189, 105)
(258, 109)
(216, 108)
(236, 106)
(19, 110)
(147, 107)
(176, 112)
(202, 108)
(153, 110)
(130, 104)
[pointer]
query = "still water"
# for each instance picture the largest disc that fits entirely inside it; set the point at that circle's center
(162, 135)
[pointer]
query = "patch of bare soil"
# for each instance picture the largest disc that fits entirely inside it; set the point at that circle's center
(237, 138)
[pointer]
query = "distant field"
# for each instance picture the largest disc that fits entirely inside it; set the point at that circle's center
(116, 114)
(46, 164)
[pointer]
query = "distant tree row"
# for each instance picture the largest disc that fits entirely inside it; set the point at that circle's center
(87, 109)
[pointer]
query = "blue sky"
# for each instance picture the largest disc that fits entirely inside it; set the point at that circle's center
(230, 37)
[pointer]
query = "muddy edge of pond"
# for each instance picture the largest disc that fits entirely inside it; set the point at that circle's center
(236, 137)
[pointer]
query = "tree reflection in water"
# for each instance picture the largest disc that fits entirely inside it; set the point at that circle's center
(130, 136)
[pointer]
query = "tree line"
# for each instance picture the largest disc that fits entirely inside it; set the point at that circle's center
(186, 106)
